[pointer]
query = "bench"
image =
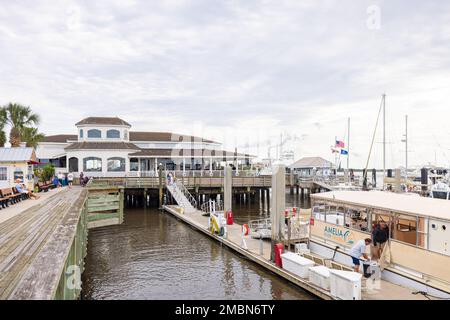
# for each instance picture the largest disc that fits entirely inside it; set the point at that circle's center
(22, 195)
(44, 186)
(9, 197)
(326, 262)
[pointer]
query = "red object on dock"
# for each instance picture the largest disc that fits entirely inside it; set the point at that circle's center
(229, 217)
(279, 249)
(245, 229)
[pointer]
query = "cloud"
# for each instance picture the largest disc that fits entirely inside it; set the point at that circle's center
(244, 70)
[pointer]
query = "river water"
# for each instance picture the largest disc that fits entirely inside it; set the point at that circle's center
(152, 255)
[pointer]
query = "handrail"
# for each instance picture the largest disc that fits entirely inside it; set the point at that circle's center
(187, 194)
(218, 206)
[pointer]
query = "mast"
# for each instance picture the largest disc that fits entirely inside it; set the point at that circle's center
(406, 143)
(348, 143)
(384, 137)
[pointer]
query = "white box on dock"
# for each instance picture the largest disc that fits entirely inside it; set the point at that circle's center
(297, 265)
(320, 276)
(345, 285)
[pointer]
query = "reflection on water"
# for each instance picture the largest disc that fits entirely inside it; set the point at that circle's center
(152, 255)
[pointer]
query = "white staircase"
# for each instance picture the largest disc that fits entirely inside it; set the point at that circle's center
(183, 197)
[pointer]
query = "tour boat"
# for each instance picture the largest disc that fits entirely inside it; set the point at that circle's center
(419, 243)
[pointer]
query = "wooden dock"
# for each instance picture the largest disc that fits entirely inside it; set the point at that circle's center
(388, 291)
(36, 245)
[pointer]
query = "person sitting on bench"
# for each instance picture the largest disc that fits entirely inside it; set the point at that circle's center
(21, 189)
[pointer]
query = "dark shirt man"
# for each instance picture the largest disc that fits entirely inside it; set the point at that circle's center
(380, 234)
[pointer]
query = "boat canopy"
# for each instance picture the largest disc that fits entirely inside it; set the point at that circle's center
(389, 201)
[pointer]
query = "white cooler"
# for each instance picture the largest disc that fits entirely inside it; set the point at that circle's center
(320, 276)
(297, 265)
(345, 285)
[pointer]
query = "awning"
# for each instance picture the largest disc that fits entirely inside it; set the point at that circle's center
(34, 162)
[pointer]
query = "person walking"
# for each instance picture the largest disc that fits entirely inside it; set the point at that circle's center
(81, 179)
(70, 179)
(60, 178)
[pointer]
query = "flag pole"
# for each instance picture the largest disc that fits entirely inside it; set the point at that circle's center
(335, 155)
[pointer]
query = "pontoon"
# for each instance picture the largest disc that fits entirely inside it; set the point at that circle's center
(419, 227)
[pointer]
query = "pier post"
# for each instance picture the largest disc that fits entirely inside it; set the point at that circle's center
(278, 205)
(145, 197)
(227, 188)
(398, 177)
(160, 176)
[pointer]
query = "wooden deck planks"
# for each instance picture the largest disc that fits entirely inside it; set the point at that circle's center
(23, 236)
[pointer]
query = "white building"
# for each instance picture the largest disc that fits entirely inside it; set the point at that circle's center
(17, 163)
(105, 146)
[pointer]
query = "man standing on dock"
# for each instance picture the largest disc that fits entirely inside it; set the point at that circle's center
(380, 235)
(358, 250)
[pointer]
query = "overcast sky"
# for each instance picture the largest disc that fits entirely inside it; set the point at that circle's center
(240, 72)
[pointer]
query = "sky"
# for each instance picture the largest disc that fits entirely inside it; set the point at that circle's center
(246, 73)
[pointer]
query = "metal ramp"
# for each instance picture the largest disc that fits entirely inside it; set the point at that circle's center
(183, 198)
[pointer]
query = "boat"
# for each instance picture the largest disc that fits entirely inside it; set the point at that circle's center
(261, 228)
(440, 190)
(417, 254)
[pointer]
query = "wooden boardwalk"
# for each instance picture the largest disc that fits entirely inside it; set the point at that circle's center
(24, 236)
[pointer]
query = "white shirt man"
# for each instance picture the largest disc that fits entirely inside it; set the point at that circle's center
(358, 250)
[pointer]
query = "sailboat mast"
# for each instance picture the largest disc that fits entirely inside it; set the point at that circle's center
(406, 143)
(348, 144)
(384, 137)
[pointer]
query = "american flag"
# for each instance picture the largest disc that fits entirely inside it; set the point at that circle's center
(340, 144)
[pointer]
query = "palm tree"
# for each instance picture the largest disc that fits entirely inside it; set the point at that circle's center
(31, 136)
(18, 117)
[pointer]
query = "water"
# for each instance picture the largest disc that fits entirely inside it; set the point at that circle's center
(152, 255)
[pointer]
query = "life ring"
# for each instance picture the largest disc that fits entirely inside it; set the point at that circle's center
(245, 229)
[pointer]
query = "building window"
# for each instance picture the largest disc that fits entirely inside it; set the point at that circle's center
(125, 134)
(3, 173)
(94, 133)
(116, 164)
(73, 164)
(18, 174)
(113, 134)
(81, 133)
(134, 164)
(92, 164)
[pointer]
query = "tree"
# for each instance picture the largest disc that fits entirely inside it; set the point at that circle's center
(31, 136)
(18, 117)
(2, 136)
(46, 173)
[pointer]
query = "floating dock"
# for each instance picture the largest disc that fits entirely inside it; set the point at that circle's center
(388, 291)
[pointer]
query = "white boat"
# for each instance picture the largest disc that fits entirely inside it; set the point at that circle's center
(440, 190)
(260, 228)
(417, 254)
